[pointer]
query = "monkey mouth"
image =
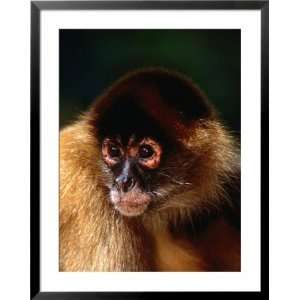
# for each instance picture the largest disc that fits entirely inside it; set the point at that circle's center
(131, 209)
(130, 204)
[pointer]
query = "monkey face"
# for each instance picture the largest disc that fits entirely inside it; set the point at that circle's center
(146, 173)
(131, 164)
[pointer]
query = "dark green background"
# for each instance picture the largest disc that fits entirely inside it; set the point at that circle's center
(90, 60)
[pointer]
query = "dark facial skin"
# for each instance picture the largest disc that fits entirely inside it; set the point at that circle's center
(131, 163)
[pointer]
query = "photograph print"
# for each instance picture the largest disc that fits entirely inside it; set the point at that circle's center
(149, 150)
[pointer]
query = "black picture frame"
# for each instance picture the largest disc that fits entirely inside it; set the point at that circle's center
(36, 8)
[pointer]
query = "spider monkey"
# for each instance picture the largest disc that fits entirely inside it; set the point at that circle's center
(149, 181)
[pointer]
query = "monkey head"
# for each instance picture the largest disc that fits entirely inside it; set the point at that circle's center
(158, 138)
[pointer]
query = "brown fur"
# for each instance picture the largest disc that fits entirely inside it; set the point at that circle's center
(95, 237)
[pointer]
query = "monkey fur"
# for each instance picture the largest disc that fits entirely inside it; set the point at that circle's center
(192, 222)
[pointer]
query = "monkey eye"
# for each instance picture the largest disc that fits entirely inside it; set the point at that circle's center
(145, 151)
(114, 151)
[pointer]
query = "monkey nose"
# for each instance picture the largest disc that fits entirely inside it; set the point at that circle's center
(125, 184)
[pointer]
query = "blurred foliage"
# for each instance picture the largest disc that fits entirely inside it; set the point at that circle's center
(90, 60)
